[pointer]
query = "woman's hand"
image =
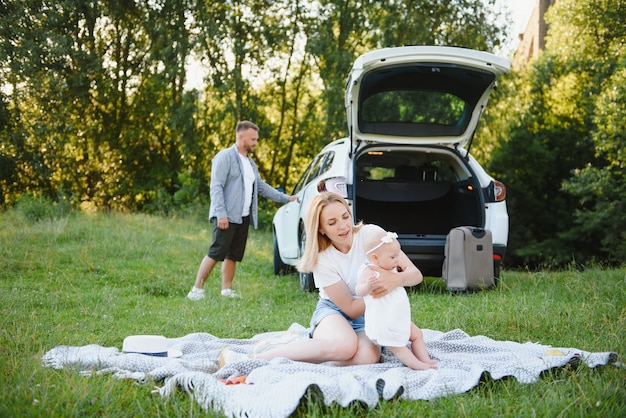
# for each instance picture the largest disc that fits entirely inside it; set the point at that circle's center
(383, 282)
(407, 275)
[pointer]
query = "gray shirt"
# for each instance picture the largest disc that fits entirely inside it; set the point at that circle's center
(227, 188)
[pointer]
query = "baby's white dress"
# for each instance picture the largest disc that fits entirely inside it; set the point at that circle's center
(388, 318)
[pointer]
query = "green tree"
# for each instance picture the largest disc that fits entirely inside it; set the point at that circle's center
(466, 23)
(556, 157)
(81, 71)
(600, 188)
(9, 156)
(335, 37)
(99, 110)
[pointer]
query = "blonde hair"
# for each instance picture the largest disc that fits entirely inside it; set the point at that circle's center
(315, 241)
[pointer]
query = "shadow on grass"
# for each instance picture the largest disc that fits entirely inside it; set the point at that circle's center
(312, 405)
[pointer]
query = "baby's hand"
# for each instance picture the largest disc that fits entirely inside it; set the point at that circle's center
(375, 283)
(373, 272)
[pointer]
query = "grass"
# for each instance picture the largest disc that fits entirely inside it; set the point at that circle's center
(95, 279)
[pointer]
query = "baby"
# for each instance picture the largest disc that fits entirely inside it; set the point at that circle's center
(388, 318)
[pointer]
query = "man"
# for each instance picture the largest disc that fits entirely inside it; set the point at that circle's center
(235, 186)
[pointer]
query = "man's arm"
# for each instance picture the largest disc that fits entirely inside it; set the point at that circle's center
(220, 169)
(268, 191)
(271, 193)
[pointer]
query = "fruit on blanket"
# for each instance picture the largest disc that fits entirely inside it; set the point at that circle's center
(554, 352)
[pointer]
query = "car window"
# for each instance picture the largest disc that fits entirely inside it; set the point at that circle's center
(320, 164)
(326, 163)
(402, 168)
(317, 167)
(302, 180)
(380, 173)
(424, 100)
(407, 106)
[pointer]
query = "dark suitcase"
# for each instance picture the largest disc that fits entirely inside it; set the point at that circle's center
(468, 259)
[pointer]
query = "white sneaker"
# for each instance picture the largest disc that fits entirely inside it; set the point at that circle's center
(229, 293)
(229, 356)
(195, 294)
(267, 344)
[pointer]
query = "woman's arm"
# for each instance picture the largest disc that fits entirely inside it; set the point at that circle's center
(342, 297)
(408, 275)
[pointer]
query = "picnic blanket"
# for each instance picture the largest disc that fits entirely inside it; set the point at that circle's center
(274, 389)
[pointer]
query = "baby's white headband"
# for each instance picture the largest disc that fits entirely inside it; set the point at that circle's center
(386, 239)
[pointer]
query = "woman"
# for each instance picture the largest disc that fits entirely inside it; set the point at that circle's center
(334, 251)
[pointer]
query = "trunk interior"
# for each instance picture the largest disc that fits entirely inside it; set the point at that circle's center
(414, 192)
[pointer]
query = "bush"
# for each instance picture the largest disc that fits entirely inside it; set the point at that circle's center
(267, 209)
(40, 208)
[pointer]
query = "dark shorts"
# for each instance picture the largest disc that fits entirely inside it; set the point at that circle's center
(326, 307)
(229, 243)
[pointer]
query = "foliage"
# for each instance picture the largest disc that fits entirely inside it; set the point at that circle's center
(95, 104)
(546, 143)
(558, 121)
(95, 279)
(99, 100)
(601, 189)
(42, 208)
(427, 22)
(95, 99)
(8, 158)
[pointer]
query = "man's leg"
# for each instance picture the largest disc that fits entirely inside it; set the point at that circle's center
(206, 267)
(228, 273)
(236, 250)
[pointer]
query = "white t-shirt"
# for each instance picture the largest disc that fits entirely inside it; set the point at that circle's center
(333, 265)
(248, 182)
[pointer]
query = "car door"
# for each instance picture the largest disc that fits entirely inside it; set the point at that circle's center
(287, 230)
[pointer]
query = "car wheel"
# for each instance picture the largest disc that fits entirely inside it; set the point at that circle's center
(496, 272)
(307, 284)
(280, 268)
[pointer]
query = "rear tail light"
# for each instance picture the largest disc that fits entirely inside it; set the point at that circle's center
(499, 191)
(335, 185)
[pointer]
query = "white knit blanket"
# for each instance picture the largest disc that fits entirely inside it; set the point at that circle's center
(275, 388)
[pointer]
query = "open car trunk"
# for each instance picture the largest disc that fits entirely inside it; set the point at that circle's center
(420, 193)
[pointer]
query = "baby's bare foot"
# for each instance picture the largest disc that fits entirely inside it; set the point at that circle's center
(421, 365)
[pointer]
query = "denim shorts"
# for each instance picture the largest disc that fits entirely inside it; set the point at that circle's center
(326, 307)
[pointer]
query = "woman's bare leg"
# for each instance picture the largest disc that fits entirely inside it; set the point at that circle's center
(333, 340)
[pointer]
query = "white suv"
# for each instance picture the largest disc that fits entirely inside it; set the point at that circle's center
(412, 112)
